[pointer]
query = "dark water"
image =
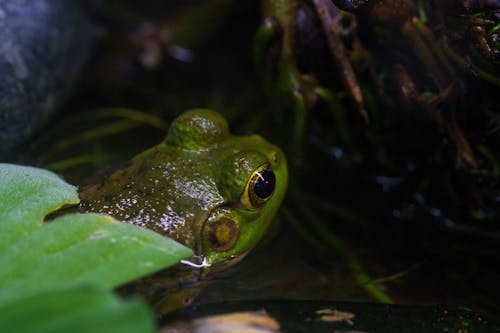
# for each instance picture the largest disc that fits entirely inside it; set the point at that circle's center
(306, 316)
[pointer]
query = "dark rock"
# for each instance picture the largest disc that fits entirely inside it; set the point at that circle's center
(43, 45)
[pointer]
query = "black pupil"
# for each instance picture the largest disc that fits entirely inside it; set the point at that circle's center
(264, 185)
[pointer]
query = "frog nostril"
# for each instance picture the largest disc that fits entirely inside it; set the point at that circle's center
(275, 158)
(223, 234)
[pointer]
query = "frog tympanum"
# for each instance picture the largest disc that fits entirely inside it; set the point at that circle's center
(209, 190)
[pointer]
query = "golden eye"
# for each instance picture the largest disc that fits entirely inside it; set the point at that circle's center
(259, 187)
(222, 234)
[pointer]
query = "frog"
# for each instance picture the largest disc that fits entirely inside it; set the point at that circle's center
(212, 191)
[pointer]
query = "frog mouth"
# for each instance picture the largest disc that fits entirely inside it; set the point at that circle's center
(229, 261)
(206, 268)
(220, 266)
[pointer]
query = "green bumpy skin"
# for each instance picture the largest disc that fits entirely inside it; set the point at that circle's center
(198, 187)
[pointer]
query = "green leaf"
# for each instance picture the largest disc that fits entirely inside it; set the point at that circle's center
(83, 309)
(44, 266)
(26, 195)
(84, 249)
(70, 250)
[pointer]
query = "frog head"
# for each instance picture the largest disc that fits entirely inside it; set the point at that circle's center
(248, 177)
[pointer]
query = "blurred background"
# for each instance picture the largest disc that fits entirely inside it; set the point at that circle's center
(388, 113)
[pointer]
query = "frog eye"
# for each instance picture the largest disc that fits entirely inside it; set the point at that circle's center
(259, 187)
(222, 234)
